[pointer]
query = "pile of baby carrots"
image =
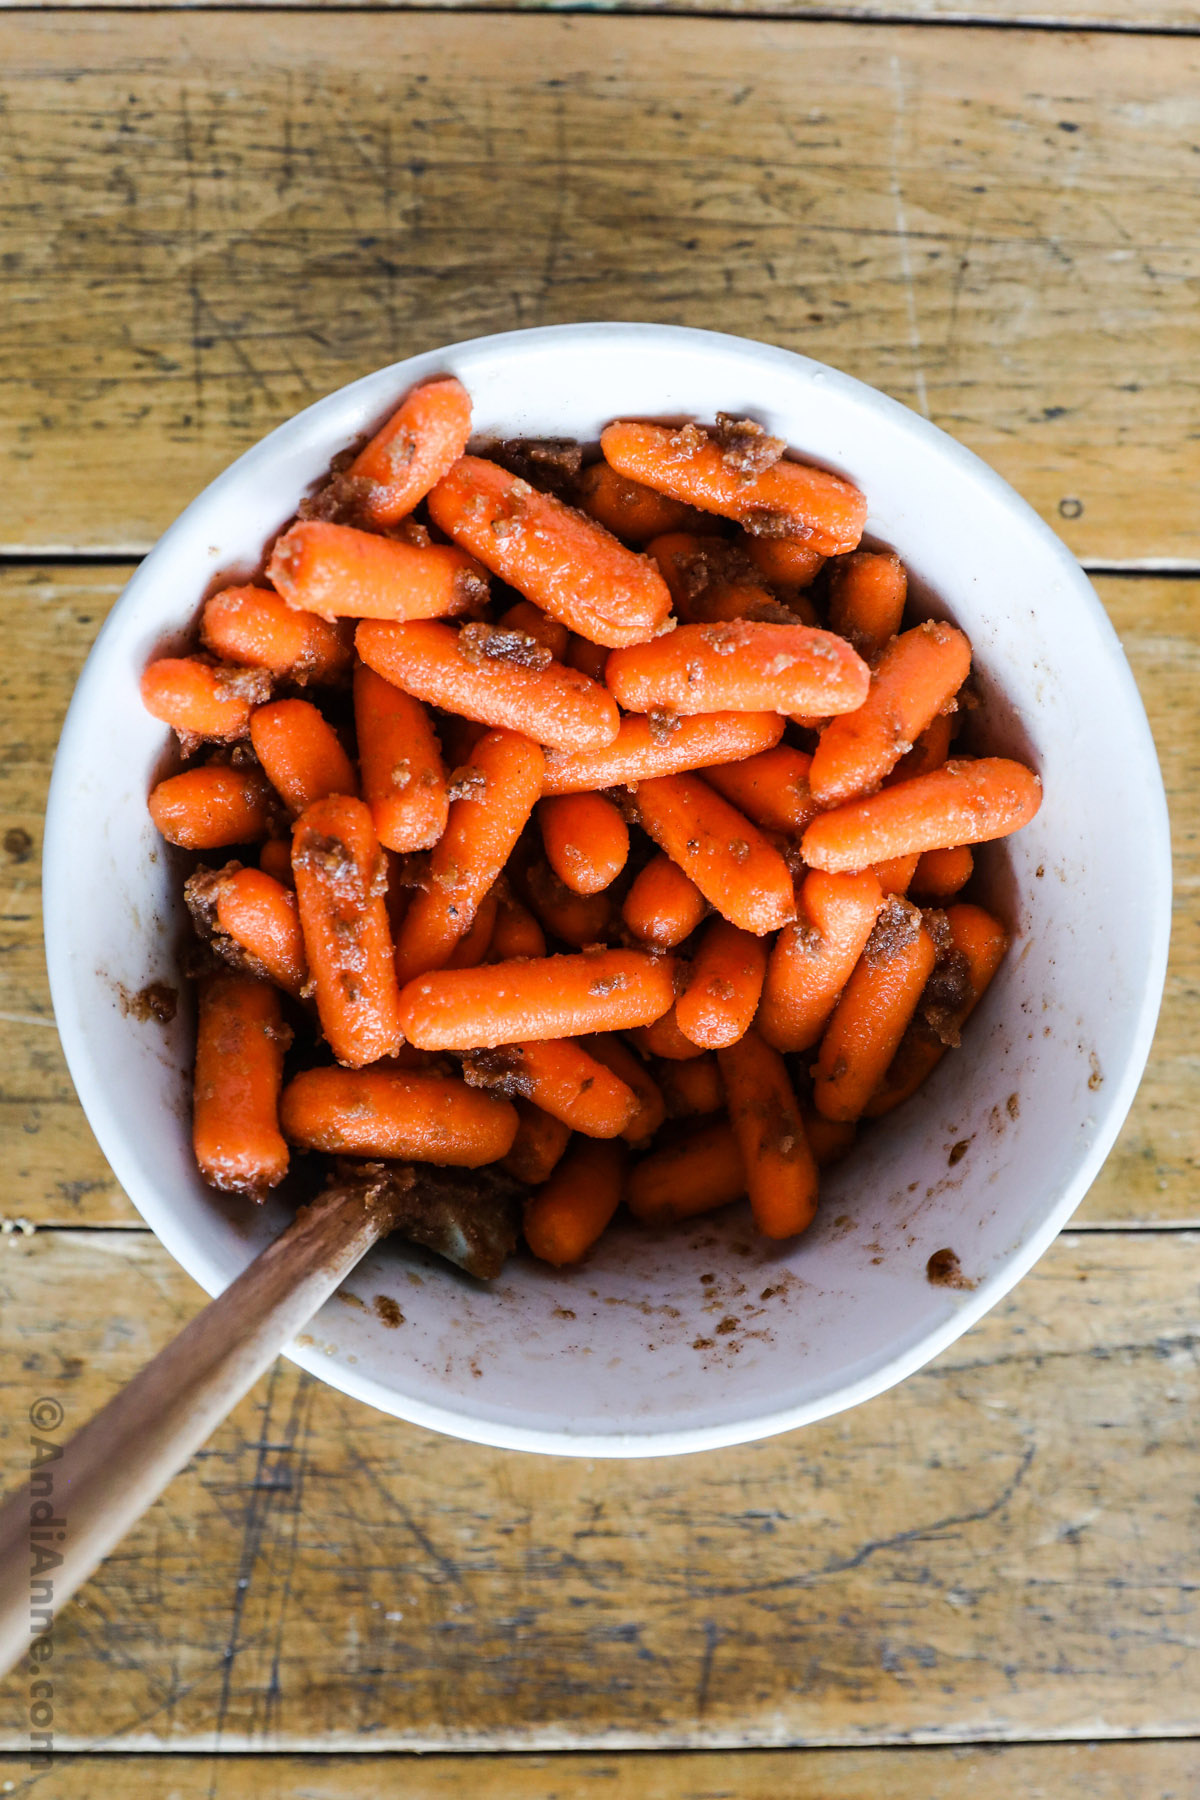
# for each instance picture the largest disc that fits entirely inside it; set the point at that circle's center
(599, 821)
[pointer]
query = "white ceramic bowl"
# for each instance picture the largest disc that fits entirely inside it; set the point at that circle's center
(705, 1336)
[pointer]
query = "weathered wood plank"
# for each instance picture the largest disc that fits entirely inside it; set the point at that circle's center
(57, 1176)
(226, 219)
(1002, 1548)
(1111, 1771)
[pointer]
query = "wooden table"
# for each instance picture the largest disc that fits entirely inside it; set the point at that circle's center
(984, 1582)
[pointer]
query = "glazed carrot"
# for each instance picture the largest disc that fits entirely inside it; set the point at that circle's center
(422, 440)
(556, 556)
(726, 978)
(516, 1002)
(567, 1215)
(413, 1115)
(538, 1145)
(403, 776)
(811, 961)
(966, 802)
(341, 880)
(590, 659)
(784, 562)
(458, 737)
(895, 874)
(262, 916)
(254, 627)
(662, 745)
(631, 511)
(494, 799)
(532, 622)
(828, 1139)
(716, 846)
(696, 1174)
(665, 1040)
(476, 672)
(915, 679)
(240, 1043)
(620, 1060)
(663, 905)
(741, 666)
(742, 475)
(974, 948)
(476, 942)
(340, 573)
(940, 874)
(711, 579)
(212, 807)
(575, 919)
(691, 1088)
(771, 788)
(586, 840)
(873, 1013)
(560, 1076)
(867, 591)
(516, 932)
(781, 1173)
(300, 753)
(200, 699)
(928, 753)
(275, 860)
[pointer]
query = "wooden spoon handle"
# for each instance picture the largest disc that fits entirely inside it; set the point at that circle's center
(121, 1460)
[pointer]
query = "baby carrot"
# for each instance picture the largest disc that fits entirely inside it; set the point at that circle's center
(740, 666)
(214, 806)
(663, 905)
(516, 932)
(517, 1002)
(973, 951)
(254, 627)
(493, 801)
(240, 1043)
(867, 591)
(664, 1039)
(620, 1060)
(556, 556)
(567, 1215)
(476, 942)
(403, 777)
(784, 562)
(202, 700)
(300, 753)
(873, 1013)
(631, 511)
(558, 1075)
(717, 847)
(828, 1139)
(420, 443)
(915, 679)
(771, 788)
(781, 1173)
(940, 874)
(711, 579)
(895, 874)
(726, 978)
(275, 860)
(413, 1115)
(575, 919)
(740, 472)
(662, 744)
(966, 802)
(340, 573)
(262, 916)
(812, 960)
(590, 659)
(695, 1174)
(341, 882)
(586, 840)
(928, 753)
(477, 672)
(538, 1145)
(532, 622)
(691, 1088)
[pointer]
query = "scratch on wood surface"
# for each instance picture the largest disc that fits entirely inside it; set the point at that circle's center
(910, 298)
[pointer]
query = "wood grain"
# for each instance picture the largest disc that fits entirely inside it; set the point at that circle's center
(1119, 1771)
(1155, 15)
(229, 219)
(57, 1176)
(1001, 1548)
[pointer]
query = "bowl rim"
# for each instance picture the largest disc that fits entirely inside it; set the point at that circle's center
(888, 1367)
